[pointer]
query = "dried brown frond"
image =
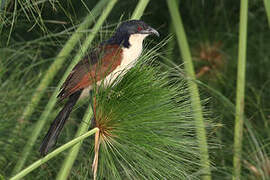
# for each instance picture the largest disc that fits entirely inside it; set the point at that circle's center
(209, 59)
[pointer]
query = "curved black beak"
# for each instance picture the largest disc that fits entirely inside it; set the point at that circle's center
(150, 30)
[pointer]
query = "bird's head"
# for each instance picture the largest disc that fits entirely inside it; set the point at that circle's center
(136, 27)
(129, 32)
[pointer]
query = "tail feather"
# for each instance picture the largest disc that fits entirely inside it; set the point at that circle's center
(51, 137)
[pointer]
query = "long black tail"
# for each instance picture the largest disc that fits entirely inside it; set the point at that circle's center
(51, 137)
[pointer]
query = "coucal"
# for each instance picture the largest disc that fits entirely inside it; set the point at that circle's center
(111, 59)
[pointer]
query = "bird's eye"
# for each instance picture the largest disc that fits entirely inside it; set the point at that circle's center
(139, 28)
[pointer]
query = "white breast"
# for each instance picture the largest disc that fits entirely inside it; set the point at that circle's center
(130, 56)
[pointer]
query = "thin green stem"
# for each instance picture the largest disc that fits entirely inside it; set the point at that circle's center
(68, 163)
(240, 90)
(53, 154)
(2, 4)
(13, 21)
(170, 46)
(267, 10)
(193, 88)
(48, 77)
(138, 12)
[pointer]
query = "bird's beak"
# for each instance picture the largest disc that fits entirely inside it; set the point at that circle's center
(150, 30)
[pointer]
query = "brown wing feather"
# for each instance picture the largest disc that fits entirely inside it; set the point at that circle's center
(93, 68)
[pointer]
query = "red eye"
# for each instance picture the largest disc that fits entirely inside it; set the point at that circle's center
(139, 28)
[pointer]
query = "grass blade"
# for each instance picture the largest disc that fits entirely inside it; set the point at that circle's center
(267, 10)
(47, 79)
(194, 92)
(53, 154)
(138, 12)
(240, 90)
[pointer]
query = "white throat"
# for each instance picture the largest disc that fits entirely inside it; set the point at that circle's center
(131, 54)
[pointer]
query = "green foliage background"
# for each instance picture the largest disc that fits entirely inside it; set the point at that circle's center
(33, 32)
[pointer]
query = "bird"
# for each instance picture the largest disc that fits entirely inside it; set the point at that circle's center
(106, 62)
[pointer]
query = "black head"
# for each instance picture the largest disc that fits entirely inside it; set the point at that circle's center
(135, 27)
(127, 28)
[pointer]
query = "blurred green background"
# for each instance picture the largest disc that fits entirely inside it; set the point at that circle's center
(32, 33)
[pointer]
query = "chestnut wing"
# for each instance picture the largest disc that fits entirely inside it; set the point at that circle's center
(92, 68)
